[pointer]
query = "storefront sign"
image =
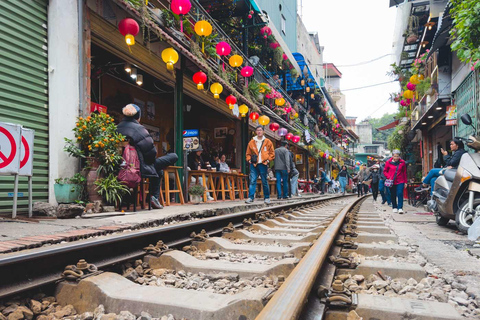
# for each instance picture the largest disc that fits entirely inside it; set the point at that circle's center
(451, 117)
(190, 133)
(191, 143)
(97, 107)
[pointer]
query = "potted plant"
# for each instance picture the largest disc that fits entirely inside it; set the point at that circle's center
(111, 189)
(196, 193)
(412, 31)
(69, 190)
(97, 143)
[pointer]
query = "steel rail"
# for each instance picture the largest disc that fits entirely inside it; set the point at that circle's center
(289, 300)
(30, 269)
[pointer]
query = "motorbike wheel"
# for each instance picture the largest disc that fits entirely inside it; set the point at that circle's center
(463, 218)
(441, 221)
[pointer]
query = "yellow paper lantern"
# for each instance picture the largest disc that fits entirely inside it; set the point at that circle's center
(235, 61)
(216, 88)
(335, 121)
(322, 153)
(421, 77)
(264, 120)
(414, 79)
(170, 57)
(203, 29)
(408, 94)
(243, 109)
(280, 102)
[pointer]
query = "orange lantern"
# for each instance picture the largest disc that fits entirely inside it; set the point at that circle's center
(264, 120)
(243, 109)
(203, 29)
(280, 102)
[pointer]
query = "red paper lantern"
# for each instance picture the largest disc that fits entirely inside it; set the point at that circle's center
(223, 48)
(254, 116)
(274, 45)
(289, 136)
(274, 126)
(231, 100)
(411, 86)
(247, 71)
(200, 78)
(129, 28)
(403, 103)
(288, 109)
(266, 31)
(285, 57)
(295, 139)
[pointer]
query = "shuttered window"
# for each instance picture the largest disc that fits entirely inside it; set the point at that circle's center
(23, 89)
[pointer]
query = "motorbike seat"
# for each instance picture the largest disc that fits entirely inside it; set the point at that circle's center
(450, 174)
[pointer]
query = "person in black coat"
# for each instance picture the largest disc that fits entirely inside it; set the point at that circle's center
(150, 166)
(375, 177)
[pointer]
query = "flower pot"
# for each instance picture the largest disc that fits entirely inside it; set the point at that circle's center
(67, 193)
(412, 38)
(92, 176)
(195, 199)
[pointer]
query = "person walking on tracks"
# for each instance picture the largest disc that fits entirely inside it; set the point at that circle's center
(374, 178)
(282, 169)
(361, 175)
(260, 153)
(343, 177)
(396, 173)
(150, 166)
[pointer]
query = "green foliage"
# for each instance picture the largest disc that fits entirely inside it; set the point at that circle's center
(76, 179)
(254, 88)
(466, 30)
(380, 122)
(396, 139)
(196, 190)
(111, 189)
(423, 86)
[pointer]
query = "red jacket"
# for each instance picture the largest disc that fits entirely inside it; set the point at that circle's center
(389, 171)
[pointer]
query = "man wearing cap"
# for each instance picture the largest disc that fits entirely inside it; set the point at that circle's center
(150, 166)
(260, 152)
(282, 169)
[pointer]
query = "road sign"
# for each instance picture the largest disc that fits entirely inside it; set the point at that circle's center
(10, 140)
(190, 133)
(26, 153)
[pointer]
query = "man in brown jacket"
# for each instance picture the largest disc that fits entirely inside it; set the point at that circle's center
(260, 152)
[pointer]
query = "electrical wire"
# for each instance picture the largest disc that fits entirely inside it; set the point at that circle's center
(364, 62)
(369, 86)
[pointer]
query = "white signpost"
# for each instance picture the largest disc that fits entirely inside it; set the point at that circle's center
(16, 158)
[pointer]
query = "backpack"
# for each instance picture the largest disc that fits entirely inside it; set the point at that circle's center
(130, 172)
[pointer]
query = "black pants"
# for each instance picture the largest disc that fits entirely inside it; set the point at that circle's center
(365, 188)
(360, 189)
(375, 190)
(160, 164)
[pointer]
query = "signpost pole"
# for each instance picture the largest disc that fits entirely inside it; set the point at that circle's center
(30, 197)
(185, 176)
(15, 197)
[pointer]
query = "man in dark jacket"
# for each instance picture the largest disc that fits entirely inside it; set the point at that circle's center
(282, 169)
(150, 166)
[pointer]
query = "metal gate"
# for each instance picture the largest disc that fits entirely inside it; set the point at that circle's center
(24, 83)
(467, 101)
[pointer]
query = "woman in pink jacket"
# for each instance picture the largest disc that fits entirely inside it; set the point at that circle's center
(396, 170)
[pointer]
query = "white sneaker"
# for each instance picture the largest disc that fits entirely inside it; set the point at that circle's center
(210, 198)
(267, 201)
(400, 211)
(395, 210)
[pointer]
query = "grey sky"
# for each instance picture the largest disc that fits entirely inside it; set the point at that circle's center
(355, 31)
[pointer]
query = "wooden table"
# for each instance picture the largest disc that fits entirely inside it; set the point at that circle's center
(205, 175)
(222, 183)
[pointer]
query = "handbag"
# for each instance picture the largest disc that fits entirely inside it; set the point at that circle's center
(254, 157)
(389, 182)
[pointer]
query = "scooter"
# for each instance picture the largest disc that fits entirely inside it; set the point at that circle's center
(456, 194)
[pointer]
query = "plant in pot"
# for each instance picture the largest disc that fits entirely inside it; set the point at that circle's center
(196, 193)
(69, 190)
(97, 144)
(412, 31)
(111, 189)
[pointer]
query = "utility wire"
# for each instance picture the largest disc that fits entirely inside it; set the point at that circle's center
(364, 62)
(369, 86)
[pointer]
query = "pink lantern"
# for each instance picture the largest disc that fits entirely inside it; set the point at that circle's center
(223, 48)
(282, 132)
(411, 86)
(266, 31)
(403, 103)
(288, 109)
(247, 72)
(289, 136)
(338, 126)
(295, 139)
(409, 101)
(285, 57)
(274, 45)
(181, 7)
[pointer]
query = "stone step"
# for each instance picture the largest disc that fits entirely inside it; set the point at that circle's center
(118, 294)
(262, 227)
(396, 270)
(179, 260)
(221, 244)
(373, 229)
(366, 237)
(284, 240)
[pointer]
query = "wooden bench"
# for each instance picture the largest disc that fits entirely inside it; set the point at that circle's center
(205, 175)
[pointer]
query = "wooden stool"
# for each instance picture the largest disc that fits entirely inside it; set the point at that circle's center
(204, 175)
(220, 185)
(244, 184)
(168, 191)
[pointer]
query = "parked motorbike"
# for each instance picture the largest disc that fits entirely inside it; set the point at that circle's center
(456, 194)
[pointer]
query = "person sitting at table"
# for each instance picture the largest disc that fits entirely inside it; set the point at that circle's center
(222, 164)
(195, 162)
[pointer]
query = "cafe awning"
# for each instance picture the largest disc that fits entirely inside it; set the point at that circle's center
(442, 36)
(389, 126)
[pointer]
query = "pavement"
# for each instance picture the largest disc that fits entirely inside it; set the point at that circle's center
(16, 234)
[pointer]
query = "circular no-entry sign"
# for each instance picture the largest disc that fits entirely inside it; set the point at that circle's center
(26, 156)
(6, 159)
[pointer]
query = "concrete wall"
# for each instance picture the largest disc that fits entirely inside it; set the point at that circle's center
(63, 85)
(289, 11)
(306, 46)
(364, 131)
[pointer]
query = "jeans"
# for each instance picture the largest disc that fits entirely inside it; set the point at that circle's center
(343, 183)
(432, 177)
(397, 195)
(322, 186)
(385, 193)
(294, 184)
(255, 171)
(375, 191)
(282, 178)
(160, 164)
(360, 189)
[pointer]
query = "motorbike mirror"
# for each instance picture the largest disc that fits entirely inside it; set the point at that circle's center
(466, 119)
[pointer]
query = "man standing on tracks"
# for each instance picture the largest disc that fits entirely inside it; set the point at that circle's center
(260, 152)
(282, 169)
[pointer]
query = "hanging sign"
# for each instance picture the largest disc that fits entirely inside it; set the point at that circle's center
(26, 153)
(97, 107)
(451, 116)
(190, 139)
(10, 140)
(190, 133)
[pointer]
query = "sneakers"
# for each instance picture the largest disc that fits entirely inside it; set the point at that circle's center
(395, 210)
(209, 198)
(400, 211)
(155, 203)
(249, 200)
(267, 201)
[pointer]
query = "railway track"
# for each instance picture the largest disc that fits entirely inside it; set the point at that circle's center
(295, 261)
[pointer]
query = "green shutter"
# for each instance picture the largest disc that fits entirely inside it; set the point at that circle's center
(24, 85)
(467, 101)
